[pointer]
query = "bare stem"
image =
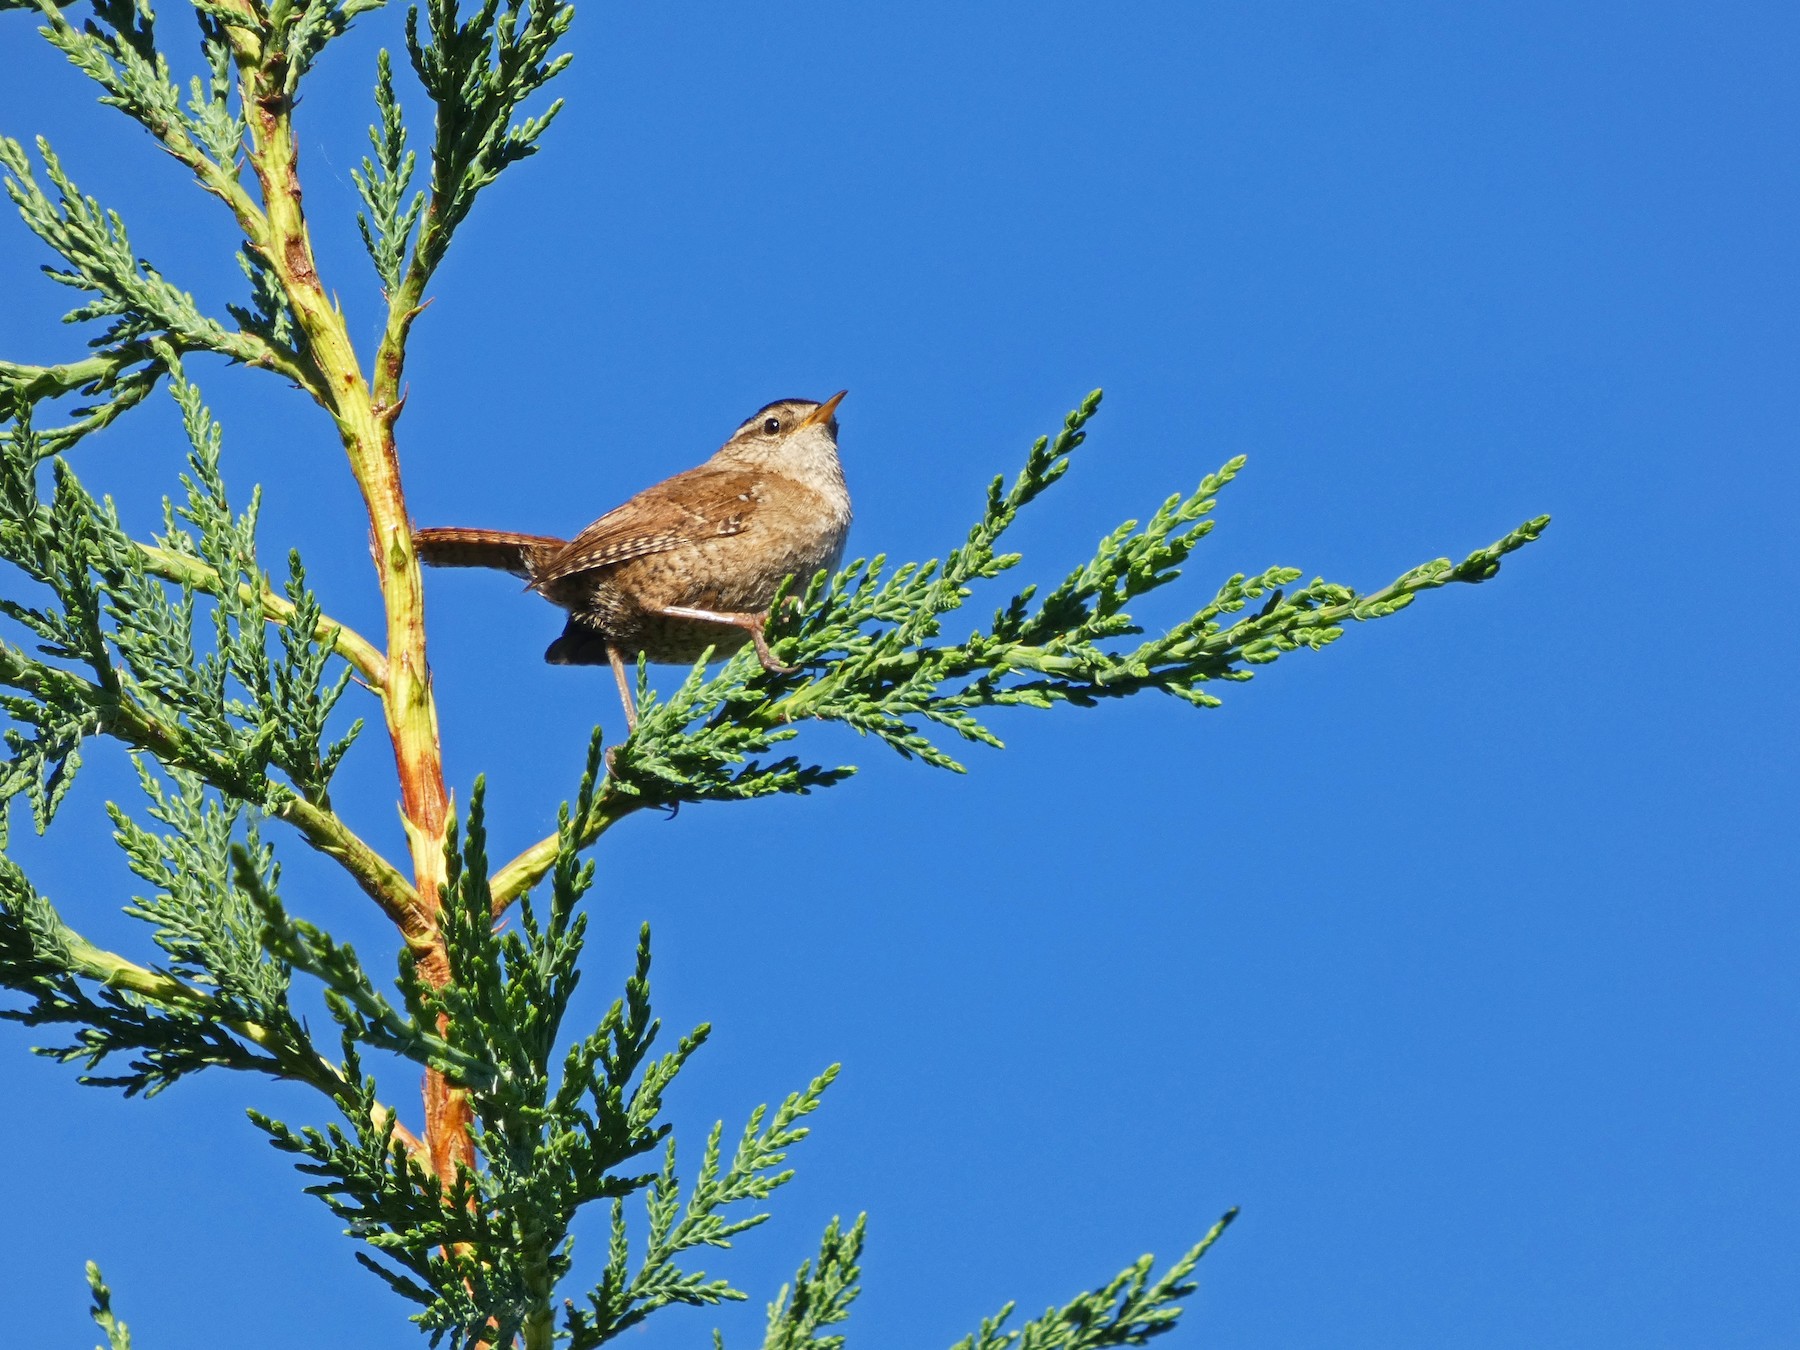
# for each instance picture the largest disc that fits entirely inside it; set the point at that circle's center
(115, 972)
(365, 425)
(379, 878)
(41, 382)
(530, 867)
(368, 441)
(128, 721)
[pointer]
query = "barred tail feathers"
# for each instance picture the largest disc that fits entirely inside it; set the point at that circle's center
(498, 549)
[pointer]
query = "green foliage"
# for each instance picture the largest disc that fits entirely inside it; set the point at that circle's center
(129, 295)
(680, 1223)
(479, 72)
(121, 380)
(145, 319)
(820, 1295)
(167, 1027)
(869, 644)
(165, 647)
(298, 30)
(228, 715)
(1129, 1309)
(208, 928)
(122, 655)
(118, 1335)
(117, 51)
(364, 1014)
(382, 182)
(214, 121)
(554, 1129)
(268, 315)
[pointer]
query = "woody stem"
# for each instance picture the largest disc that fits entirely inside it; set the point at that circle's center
(365, 424)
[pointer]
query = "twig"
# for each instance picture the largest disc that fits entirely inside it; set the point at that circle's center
(115, 972)
(351, 645)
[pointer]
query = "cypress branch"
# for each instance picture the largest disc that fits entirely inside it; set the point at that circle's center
(868, 644)
(227, 688)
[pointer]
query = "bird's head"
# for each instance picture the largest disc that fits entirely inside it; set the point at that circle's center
(792, 436)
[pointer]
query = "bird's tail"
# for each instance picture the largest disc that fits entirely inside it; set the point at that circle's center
(498, 549)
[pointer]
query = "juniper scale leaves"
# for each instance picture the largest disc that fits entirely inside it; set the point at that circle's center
(235, 693)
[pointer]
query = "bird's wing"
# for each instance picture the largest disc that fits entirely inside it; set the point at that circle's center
(701, 504)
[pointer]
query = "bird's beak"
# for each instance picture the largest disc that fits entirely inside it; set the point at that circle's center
(821, 415)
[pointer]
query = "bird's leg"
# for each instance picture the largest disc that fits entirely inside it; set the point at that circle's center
(753, 624)
(626, 695)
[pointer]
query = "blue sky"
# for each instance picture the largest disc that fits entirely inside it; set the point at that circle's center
(1460, 955)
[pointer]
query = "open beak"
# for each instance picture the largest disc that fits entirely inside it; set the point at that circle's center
(821, 415)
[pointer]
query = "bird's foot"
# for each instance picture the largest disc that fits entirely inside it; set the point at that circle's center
(767, 657)
(627, 695)
(753, 624)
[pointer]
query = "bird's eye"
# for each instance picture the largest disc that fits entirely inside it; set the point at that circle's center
(771, 425)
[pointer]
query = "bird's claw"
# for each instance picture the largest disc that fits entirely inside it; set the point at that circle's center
(767, 657)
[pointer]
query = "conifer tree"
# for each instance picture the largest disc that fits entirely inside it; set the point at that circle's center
(239, 699)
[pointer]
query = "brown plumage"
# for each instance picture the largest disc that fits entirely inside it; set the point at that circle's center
(692, 562)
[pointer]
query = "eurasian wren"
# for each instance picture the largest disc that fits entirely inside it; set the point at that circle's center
(691, 563)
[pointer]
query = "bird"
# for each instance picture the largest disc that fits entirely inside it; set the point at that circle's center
(692, 562)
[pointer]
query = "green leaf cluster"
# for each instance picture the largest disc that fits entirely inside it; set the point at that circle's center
(226, 687)
(821, 1294)
(870, 645)
(125, 651)
(118, 1335)
(1129, 1309)
(478, 72)
(133, 301)
(388, 218)
(228, 722)
(221, 1001)
(870, 641)
(554, 1129)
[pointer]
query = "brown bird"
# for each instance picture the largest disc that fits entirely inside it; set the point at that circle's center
(691, 563)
